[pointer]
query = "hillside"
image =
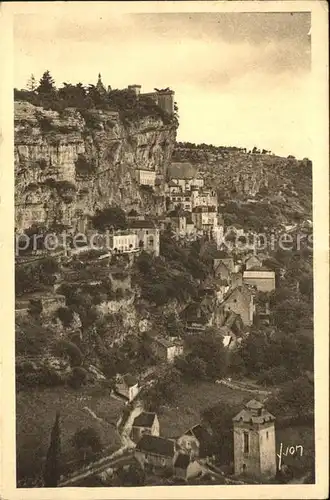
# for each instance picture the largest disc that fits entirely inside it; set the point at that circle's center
(253, 179)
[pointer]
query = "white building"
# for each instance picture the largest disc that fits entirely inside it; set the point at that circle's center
(147, 234)
(204, 198)
(146, 177)
(124, 242)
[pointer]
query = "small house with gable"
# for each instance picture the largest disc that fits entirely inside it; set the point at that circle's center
(145, 423)
(166, 350)
(127, 386)
(155, 452)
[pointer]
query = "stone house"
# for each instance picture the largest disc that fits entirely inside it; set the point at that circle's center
(145, 177)
(145, 423)
(185, 469)
(127, 386)
(227, 261)
(147, 234)
(260, 277)
(222, 271)
(204, 217)
(197, 316)
(166, 350)
(240, 300)
(155, 452)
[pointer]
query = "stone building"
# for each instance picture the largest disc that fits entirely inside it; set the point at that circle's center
(145, 423)
(254, 441)
(260, 277)
(146, 177)
(148, 235)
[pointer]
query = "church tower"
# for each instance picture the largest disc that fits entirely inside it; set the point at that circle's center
(99, 86)
(254, 441)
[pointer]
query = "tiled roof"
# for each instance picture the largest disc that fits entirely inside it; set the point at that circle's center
(142, 224)
(156, 445)
(260, 268)
(254, 412)
(129, 380)
(145, 419)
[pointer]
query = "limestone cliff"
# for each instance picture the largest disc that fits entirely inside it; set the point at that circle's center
(238, 174)
(69, 164)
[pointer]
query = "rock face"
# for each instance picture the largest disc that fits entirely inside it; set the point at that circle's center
(69, 164)
(239, 174)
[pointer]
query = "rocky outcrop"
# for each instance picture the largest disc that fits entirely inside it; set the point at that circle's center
(238, 174)
(69, 164)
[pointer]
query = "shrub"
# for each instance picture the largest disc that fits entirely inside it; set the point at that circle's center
(86, 441)
(65, 315)
(78, 377)
(69, 349)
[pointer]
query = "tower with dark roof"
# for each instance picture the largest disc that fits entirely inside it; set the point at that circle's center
(99, 86)
(254, 441)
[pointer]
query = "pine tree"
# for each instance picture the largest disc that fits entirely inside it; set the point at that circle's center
(46, 84)
(52, 467)
(32, 83)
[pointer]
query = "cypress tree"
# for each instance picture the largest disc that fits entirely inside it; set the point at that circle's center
(52, 467)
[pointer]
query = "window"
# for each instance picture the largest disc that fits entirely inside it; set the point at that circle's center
(267, 435)
(246, 442)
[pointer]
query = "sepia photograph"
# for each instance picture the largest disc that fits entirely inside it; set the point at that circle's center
(163, 240)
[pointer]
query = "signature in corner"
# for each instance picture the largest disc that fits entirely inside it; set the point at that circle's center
(295, 450)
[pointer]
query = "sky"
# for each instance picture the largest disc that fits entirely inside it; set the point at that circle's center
(240, 79)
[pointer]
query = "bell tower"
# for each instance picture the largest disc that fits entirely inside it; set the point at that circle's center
(254, 441)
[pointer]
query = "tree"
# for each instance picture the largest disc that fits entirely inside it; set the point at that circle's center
(46, 84)
(110, 217)
(32, 83)
(52, 468)
(87, 441)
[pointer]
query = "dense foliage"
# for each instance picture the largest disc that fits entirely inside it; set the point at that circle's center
(89, 97)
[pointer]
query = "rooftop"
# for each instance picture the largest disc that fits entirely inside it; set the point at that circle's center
(145, 419)
(157, 445)
(255, 413)
(129, 380)
(260, 269)
(142, 224)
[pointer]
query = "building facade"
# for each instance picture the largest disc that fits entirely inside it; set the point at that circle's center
(124, 242)
(146, 177)
(263, 280)
(148, 236)
(145, 423)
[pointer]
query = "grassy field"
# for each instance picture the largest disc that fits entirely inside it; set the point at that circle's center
(35, 415)
(191, 400)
